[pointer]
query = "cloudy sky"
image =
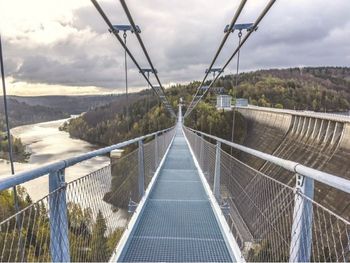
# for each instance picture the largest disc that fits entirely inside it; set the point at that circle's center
(63, 47)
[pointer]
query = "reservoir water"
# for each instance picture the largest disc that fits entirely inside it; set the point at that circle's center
(47, 143)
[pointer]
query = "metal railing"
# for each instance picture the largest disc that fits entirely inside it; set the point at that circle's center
(82, 220)
(271, 220)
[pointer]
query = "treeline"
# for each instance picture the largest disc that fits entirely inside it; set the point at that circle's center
(325, 89)
(21, 113)
(207, 119)
(27, 236)
(19, 151)
(319, 89)
(108, 125)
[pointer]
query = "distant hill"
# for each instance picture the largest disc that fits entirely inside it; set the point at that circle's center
(309, 88)
(319, 89)
(21, 113)
(108, 124)
(74, 104)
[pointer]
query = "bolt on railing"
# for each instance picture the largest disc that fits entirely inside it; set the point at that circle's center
(81, 220)
(273, 221)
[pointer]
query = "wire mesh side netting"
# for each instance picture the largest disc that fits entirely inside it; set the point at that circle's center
(261, 209)
(270, 220)
(84, 219)
(328, 233)
(205, 155)
(90, 234)
(150, 164)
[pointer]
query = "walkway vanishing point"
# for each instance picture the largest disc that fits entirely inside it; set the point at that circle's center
(178, 223)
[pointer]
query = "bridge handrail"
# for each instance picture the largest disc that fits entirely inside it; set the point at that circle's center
(323, 177)
(25, 176)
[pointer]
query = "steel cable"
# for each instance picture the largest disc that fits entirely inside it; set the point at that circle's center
(131, 20)
(255, 25)
(223, 41)
(115, 33)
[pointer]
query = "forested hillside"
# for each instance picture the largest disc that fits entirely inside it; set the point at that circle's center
(108, 124)
(319, 89)
(75, 104)
(21, 113)
(19, 151)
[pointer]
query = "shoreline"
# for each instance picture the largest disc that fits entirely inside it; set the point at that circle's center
(47, 144)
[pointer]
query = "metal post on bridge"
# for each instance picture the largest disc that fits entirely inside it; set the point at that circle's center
(156, 157)
(163, 145)
(59, 242)
(300, 249)
(217, 171)
(196, 145)
(141, 180)
(201, 151)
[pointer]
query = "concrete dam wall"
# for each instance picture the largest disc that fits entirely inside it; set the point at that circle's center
(320, 141)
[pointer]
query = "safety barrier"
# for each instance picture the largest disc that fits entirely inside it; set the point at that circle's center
(273, 221)
(82, 220)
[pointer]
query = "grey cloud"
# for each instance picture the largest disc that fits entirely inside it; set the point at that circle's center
(40, 69)
(182, 37)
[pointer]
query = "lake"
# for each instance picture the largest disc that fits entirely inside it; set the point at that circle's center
(47, 144)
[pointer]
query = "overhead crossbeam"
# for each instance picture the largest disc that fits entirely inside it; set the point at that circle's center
(239, 27)
(229, 30)
(113, 30)
(125, 28)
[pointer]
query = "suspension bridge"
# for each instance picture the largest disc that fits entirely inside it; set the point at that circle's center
(188, 198)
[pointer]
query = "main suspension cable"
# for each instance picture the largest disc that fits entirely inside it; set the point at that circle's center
(115, 33)
(131, 20)
(218, 51)
(126, 83)
(233, 92)
(254, 27)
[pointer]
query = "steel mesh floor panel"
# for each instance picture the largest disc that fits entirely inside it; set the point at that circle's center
(178, 223)
(176, 175)
(176, 219)
(182, 152)
(181, 250)
(178, 190)
(179, 162)
(179, 147)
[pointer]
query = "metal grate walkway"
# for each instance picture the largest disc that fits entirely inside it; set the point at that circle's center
(177, 223)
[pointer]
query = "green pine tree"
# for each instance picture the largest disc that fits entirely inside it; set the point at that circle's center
(99, 250)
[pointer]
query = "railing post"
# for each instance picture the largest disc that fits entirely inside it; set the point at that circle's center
(59, 242)
(300, 249)
(156, 151)
(217, 170)
(201, 151)
(141, 170)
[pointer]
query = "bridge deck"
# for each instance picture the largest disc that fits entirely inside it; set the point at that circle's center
(177, 223)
